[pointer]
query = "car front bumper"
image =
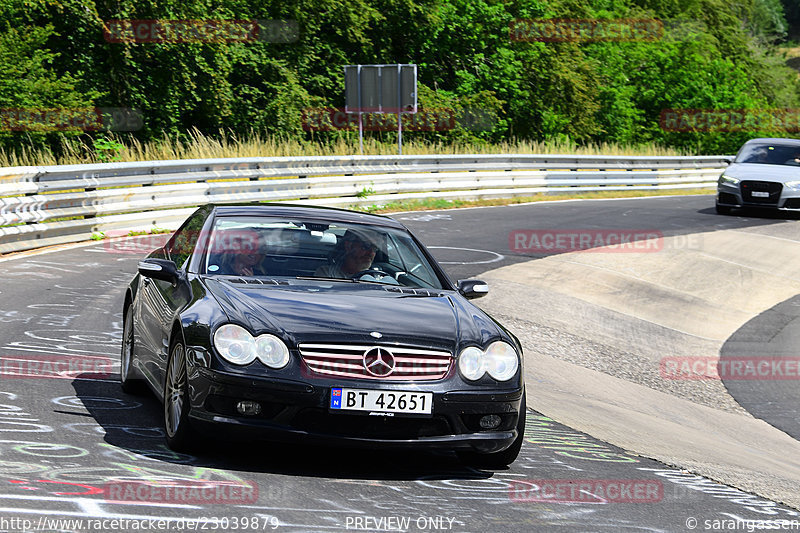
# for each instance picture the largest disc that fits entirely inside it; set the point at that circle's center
(783, 198)
(292, 410)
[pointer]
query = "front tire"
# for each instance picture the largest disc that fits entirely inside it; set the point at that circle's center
(177, 427)
(499, 460)
(130, 384)
(723, 209)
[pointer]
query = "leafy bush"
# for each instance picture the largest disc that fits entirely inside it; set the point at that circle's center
(714, 54)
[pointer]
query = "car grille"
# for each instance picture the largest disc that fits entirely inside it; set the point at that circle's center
(411, 364)
(773, 189)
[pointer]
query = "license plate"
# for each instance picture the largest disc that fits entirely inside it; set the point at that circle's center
(760, 194)
(381, 401)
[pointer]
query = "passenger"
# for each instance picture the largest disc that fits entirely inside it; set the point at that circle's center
(245, 260)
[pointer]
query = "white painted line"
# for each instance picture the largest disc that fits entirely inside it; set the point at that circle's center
(499, 257)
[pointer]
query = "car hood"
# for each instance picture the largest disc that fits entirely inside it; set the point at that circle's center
(345, 312)
(753, 171)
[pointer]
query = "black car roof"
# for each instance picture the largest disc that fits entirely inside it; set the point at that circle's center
(327, 214)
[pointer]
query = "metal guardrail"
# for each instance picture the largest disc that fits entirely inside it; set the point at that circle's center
(47, 205)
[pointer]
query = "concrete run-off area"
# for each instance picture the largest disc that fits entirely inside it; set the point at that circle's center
(595, 347)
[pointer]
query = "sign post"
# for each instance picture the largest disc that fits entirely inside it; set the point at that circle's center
(380, 89)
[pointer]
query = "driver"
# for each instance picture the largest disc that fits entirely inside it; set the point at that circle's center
(795, 160)
(356, 253)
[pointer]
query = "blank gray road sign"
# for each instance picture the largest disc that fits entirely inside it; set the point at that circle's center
(351, 96)
(380, 88)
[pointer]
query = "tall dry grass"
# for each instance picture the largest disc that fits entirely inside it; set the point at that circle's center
(197, 145)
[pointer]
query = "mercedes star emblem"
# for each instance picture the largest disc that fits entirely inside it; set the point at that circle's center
(379, 362)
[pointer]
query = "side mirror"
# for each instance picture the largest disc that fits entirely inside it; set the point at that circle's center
(161, 269)
(472, 288)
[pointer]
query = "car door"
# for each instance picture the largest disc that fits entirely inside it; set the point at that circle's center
(146, 333)
(162, 301)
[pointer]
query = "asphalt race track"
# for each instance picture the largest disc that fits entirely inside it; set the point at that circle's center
(774, 334)
(67, 443)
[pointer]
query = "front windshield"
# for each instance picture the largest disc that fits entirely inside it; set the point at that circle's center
(770, 154)
(273, 247)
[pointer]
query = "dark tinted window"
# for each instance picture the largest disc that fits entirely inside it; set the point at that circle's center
(770, 154)
(182, 244)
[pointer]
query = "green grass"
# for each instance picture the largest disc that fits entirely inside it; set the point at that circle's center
(200, 146)
(439, 203)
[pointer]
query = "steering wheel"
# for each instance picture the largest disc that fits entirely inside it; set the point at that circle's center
(371, 271)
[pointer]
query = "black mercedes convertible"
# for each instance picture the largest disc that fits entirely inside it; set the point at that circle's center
(289, 322)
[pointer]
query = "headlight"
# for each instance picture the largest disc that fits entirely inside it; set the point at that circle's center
(727, 180)
(500, 360)
(794, 185)
(235, 344)
(271, 351)
(472, 364)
